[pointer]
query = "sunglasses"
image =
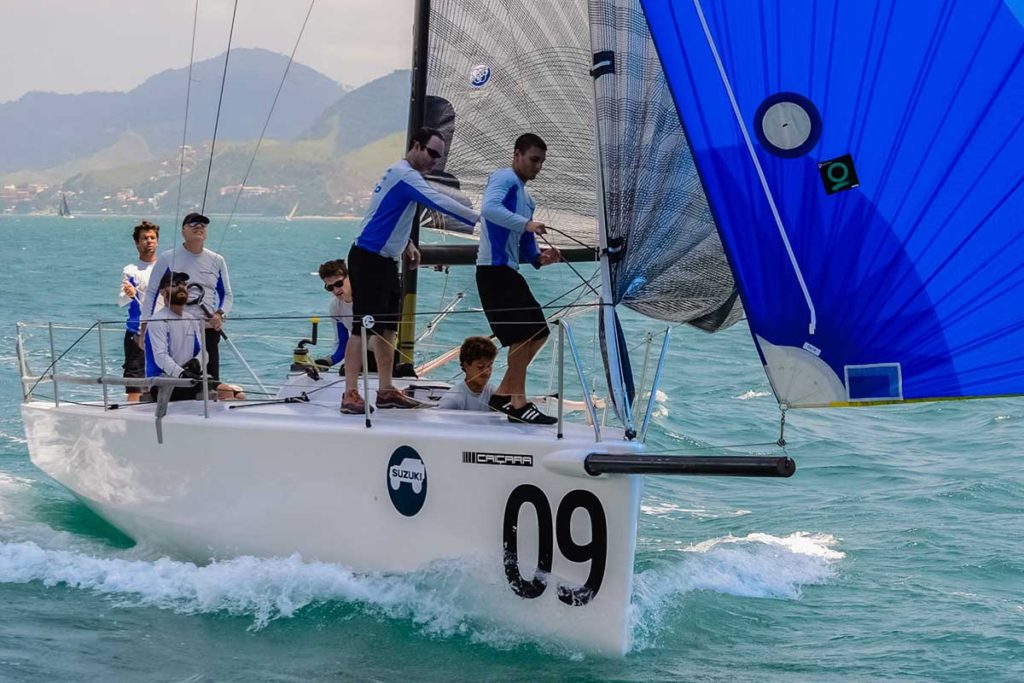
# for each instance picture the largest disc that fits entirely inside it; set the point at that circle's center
(196, 226)
(339, 283)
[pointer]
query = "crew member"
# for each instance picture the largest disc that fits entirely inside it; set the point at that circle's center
(209, 289)
(134, 281)
(506, 239)
(373, 263)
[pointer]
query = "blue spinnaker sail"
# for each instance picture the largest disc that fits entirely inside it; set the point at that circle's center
(864, 162)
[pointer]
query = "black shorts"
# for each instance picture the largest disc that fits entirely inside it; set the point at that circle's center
(134, 360)
(514, 315)
(376, 289)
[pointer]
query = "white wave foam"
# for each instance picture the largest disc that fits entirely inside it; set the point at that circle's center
(13, 438)
(752, 394)
(266, 589)
(446, 599)
(756, 566)
(662, 508)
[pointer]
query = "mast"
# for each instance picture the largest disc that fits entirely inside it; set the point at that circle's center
(417, 113)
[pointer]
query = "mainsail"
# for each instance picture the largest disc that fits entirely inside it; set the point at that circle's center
(500, 68)
(863, 164)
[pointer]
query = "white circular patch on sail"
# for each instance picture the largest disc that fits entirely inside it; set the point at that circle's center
(479, 75)
(786, 125)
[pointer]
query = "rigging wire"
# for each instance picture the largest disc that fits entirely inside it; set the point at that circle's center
(220, 101)
(188, 97)
(578, 274)
(266, 124)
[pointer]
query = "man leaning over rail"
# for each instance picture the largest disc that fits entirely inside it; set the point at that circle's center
(373, 263)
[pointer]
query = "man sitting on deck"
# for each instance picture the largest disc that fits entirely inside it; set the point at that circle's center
(373, 264)
(172, 339)
(172, 344)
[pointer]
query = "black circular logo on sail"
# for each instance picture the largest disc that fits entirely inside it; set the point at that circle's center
(407, 480)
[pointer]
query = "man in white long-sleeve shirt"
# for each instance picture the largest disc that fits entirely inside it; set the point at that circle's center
(172, 338)
(506, 239)
(334, 275)
(373, 263)
(134, 281)
(209, 288)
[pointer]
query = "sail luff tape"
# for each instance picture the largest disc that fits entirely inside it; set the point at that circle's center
(757, 165)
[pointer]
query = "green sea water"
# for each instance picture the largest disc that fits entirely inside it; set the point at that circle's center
(895, 552)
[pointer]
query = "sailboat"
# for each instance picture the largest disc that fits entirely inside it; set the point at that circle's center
(62, 209)
(291, 214)
(846, 176)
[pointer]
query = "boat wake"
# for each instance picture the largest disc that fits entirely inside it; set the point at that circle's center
(754, 566)
(444, 600)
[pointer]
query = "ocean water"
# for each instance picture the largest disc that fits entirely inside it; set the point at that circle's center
(895, 552)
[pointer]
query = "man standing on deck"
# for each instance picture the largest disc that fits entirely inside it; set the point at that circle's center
(506, 239)
(134, 281)
(209, 289)
(373, 263)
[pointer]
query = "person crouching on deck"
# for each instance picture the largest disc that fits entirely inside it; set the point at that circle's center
(172, 339)
(335, 278)
(476, 357)
(373, 264)
(172, 345)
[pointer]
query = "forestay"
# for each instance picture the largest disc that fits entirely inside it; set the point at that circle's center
(863, 163)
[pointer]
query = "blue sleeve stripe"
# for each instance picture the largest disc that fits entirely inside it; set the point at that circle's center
(339, 353)
(528, 251)
(220, 290)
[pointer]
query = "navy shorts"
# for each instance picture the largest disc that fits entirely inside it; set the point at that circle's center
(514, 315)
(376, 289)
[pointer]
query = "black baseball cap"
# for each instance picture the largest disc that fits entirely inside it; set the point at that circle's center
(195, 218)
(165, 281)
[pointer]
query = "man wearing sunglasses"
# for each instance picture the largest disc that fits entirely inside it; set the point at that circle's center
(373, 263)
(209, 289)
(335, 278)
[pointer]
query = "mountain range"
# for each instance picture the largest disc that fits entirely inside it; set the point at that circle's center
(111, 151)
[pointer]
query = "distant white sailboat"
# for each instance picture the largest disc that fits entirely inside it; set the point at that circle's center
(291, 214)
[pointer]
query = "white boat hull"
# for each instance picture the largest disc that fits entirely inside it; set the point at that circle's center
(416, 488)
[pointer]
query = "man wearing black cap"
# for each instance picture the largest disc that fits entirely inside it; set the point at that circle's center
(209, 289)
(172, 338)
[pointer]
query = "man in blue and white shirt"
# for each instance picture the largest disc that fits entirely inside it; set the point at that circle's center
(209, 288)
(507, 238)
(373, 263)
(134, 282)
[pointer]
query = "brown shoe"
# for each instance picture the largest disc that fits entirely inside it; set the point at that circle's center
(352, 403)
(393, 398)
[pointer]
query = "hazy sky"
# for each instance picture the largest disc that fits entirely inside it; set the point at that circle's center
(71, 46)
